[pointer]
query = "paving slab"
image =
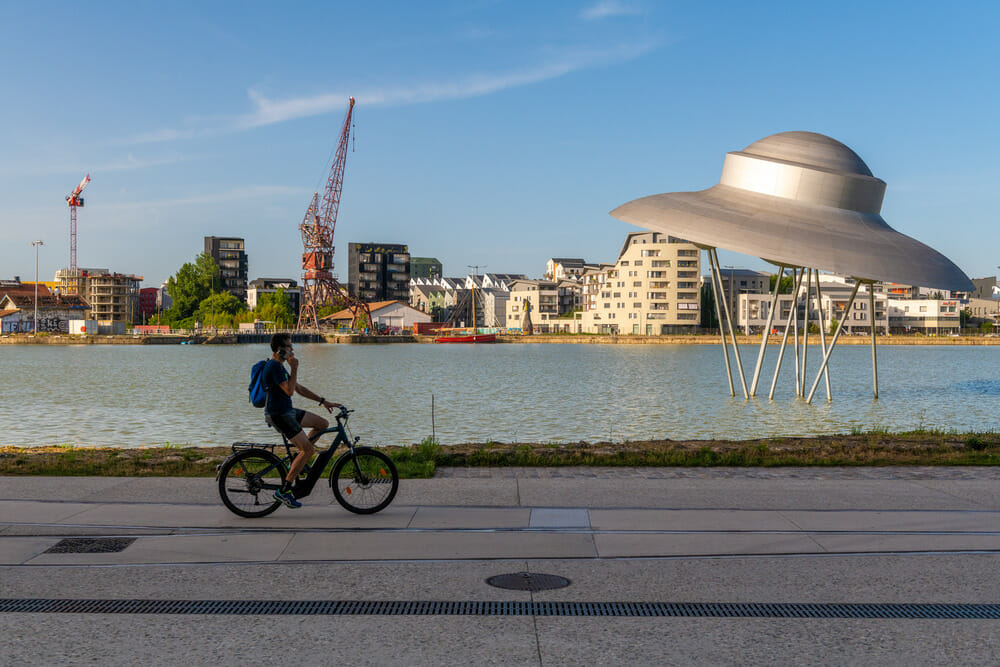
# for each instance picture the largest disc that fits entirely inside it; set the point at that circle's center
(17, 550)
(470, 517)
(439, 545)
(627, 545)
(180, 549)
(894, 521)
(890, 543)
(559, 518)
(655, 519)
(27, 511)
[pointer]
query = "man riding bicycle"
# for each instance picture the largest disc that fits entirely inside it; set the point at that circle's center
(281, 385)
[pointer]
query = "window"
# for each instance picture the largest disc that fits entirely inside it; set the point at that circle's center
(661, 263)
(636, 283)
(638, 262)
(923, 309)
(650, 253)
(637, 305)
(625, 262)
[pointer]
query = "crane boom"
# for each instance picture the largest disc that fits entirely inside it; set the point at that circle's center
(74, 201)
(319, 287)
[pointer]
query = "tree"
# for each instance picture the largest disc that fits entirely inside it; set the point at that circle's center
(787, 284)
(275, 307)
(192, 285)
(219, 310)
(833, 325)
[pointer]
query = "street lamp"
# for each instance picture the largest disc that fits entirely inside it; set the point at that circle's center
(36, 244)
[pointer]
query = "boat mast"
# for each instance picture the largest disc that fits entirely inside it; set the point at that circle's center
(475, 276)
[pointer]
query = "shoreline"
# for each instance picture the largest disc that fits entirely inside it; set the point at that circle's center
(577, 339)
(871, 449)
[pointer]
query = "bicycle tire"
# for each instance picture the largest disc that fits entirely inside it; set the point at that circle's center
(364, 482)
(240, 481)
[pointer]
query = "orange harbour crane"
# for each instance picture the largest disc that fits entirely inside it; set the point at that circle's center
(74, 201)
(319, 287)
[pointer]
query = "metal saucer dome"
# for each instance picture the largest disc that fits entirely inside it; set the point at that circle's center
(805, 202)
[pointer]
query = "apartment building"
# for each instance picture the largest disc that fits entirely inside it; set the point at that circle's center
(540, 298)
(753, 309)
(379, 271)
(111, 296)
(566, 268)
(936, 317)
(230, 254)
(652, 288)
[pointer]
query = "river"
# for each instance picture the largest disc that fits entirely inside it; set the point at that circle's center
(132, 396)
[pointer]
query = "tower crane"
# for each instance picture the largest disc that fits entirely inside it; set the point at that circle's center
(319, 287)
(74, 201)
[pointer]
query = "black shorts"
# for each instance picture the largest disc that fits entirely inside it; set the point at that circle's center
(289, 424)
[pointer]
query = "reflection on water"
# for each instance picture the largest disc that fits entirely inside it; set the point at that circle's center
(147, 395)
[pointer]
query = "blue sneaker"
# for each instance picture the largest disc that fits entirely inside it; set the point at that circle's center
(287, 498)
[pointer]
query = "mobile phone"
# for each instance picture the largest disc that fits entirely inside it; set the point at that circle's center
(283, 353)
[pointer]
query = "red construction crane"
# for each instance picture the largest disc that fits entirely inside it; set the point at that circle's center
(319, 287)
(74, 200)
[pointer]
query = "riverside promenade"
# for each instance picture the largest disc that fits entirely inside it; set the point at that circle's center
(677, 566)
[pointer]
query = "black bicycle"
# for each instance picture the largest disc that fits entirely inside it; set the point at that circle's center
(364, 480)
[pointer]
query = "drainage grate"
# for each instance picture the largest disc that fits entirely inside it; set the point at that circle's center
(528, 581)
(505, 608)
(90, 545)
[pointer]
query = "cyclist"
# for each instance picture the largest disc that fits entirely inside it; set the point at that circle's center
(281, 386)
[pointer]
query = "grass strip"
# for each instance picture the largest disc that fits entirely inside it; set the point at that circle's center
(873, 448)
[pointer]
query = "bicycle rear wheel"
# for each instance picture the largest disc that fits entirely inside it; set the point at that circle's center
(365, 482)
(248, 480)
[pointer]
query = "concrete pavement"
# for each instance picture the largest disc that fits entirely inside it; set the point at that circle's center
(620, 535)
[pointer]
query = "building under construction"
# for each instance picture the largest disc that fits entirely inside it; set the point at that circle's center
(112, 296)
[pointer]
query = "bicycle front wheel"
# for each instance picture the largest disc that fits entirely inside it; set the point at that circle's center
(248, 480)
(364, 482)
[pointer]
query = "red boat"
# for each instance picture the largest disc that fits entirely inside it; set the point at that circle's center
(467, 338)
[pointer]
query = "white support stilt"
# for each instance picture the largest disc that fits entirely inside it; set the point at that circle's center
(767, 330)
(722, 331)
(833, 343)
(871, 317)
(729, 325)
(795, 332)
(805, 333)
(822, 332)
(784, 338)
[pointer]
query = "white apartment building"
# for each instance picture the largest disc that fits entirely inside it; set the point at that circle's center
(652, 288)
(937, 317)
(753, 309)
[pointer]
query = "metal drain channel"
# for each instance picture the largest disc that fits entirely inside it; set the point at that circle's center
(503, 608)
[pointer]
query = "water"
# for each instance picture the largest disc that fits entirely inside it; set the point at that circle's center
(196, 394)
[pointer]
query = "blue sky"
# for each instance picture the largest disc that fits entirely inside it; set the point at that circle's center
(490, 133)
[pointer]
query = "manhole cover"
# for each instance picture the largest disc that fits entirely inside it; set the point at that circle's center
(90, 545)
(528, 581)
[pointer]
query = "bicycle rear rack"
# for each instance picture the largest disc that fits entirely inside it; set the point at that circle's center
(240, 446)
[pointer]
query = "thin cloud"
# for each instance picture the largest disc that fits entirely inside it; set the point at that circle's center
(269, 111)
(608, 9)
(226, 196)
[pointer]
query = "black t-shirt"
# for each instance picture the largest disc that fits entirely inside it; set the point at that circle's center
(278, 402)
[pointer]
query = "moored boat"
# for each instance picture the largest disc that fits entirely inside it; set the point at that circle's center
(467, 338)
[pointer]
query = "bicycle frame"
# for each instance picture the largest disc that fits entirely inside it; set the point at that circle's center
(304, 485)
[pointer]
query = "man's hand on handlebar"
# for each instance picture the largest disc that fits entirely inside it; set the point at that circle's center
(330, 405)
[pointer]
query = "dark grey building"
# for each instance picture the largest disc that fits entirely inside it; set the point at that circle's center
(985, 287)
(425, 267)
(379, 271)
(230, 254)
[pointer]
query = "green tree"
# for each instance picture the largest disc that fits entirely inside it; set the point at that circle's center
(833, 325)
(192, 285)
(276, 307)
(787, 284)
(219, 310)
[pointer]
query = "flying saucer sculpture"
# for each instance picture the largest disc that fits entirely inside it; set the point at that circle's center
(804, 202)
